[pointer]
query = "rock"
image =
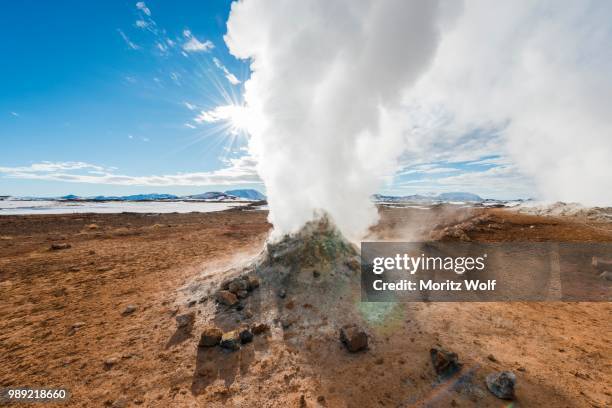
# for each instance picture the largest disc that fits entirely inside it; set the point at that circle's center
(237, 285)
(354, 338)
(445, 363)
(492, 358)
(211, 336)
(186, 320)
(78, 325)
(260, 328)
(501, 384)
(191, 303)
(230, 340)
(226, 297)
(242, 294)
(93, 226)
(109, 363)
(282, 293)
(57, 247)
(316, 274)
(247, 313)
(246, 336)
(129, 309)
(606, 275)
(252, 282)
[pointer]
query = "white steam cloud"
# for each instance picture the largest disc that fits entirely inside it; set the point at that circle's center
(324, 93)
(540, 73)
(339, 90)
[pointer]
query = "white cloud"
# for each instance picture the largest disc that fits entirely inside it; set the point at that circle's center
(129, 43)
(537, 75)
(190, 106)
(143, 7)
(237, 171)
(228, 75)
(15, 114)
(141, 24)
(194, 45)
(190, 126)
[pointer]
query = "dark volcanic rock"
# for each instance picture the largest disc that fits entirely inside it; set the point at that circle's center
(445, 363)
(57, 247)
(211, 336)
(354, 338)
(246, 336)
(237, 285)
(231, 340)
(260, 328)
(252, 282)
(226, 297)
(501, 384)
(186, 320)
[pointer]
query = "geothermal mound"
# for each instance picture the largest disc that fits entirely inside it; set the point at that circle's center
(317, 245)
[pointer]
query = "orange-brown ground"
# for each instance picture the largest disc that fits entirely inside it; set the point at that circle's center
(559, 351)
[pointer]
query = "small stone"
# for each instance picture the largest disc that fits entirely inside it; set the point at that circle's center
(445, 363)
(246, 336)
(57, 247)
(226, 297)
(260, 328)
(129, 309)
(93, 226)
(203, 299)
(282, 293)
(78, 325)
(248, 313)
(109, 363)
(316, 274)
(242, 294)
(237, 285)
(191, 303)
(501, 384)
(211, 336)
(185, 320)
(492, 358)
(230, 340)
(252, 282)
(354, 338)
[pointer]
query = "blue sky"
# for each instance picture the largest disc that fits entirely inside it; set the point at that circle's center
(112, 86)
(121, 97)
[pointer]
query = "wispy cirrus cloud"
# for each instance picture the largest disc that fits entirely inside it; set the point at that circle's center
(240, 170)
(192, 44)
(231, 78)
(141, 5)
(129, 43)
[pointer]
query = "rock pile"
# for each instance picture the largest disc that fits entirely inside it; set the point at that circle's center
(233, 290)
(233, 339)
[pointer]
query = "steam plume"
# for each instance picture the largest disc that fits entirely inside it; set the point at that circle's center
(327, 79)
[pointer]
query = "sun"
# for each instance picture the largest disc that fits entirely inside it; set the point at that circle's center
(234, 118)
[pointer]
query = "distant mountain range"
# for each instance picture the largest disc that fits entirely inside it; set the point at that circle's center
(254, 195)
(232, 195)
(456, 196)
